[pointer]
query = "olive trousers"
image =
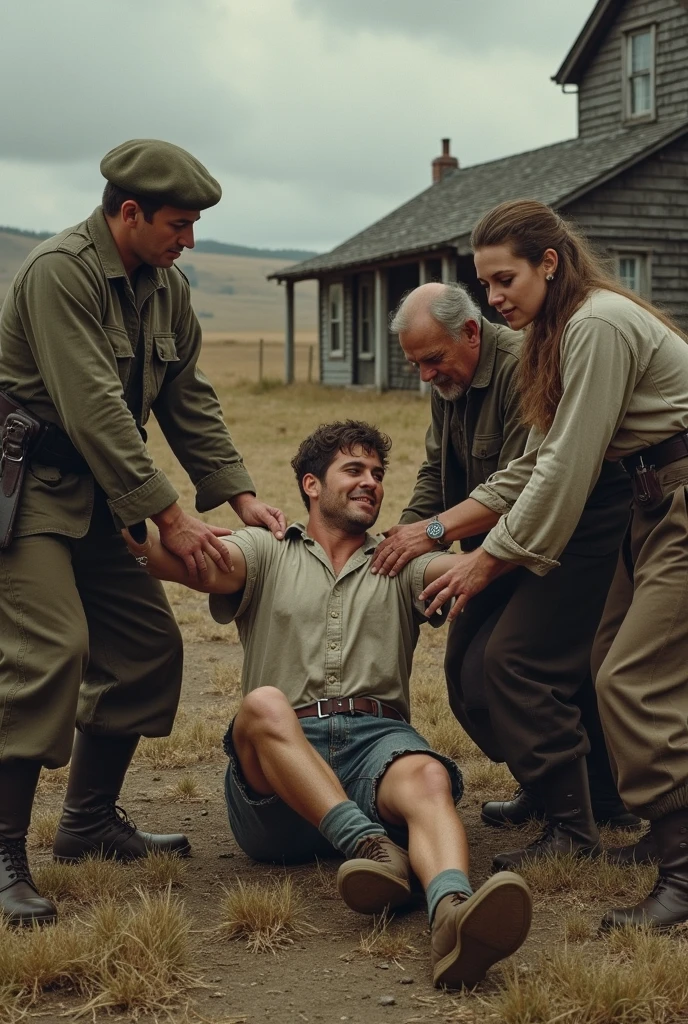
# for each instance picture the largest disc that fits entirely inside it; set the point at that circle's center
(518, 657)
(640, 655)
(86, 638)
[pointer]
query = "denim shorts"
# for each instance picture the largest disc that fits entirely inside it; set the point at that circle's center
(359, 749)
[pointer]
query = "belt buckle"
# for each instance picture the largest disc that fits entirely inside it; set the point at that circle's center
(318, 703)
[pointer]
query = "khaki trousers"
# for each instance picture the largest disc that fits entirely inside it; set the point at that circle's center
(87, 638)
(640, 655)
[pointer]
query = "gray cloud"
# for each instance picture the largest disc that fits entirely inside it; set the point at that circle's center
(318, 116)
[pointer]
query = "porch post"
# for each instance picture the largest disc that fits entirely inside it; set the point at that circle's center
(289, 335)
(448, 269)
(423, 385)
(381, 335)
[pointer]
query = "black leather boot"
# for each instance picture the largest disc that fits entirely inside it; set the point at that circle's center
(570, 828)
(524, 805)
(92, 824)
(20, 903)
(644, 851)
(667, 904)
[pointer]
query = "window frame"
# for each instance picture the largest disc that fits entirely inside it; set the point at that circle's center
(635, 29)
(335, 353)
(644, 258)
(365, 281)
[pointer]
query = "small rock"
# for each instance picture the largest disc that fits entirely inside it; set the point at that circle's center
(204, 814)
(216, 995)
(366, 995)
(156, 778)
(186, 819)
(214, 981)
(387, 1001)
(406, 981)
(382, 967)
(228, 856)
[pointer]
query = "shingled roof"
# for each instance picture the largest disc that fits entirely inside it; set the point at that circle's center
(444, 214)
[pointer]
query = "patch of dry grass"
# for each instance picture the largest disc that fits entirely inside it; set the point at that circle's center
(225, 680)
(191, 742)
(94, 881)
(589, 880)
(52, 779)
(577, 927)
(186, 788)
(266, 914)
(387, 940)
(43, 829)
(133, 958)
(635, 977)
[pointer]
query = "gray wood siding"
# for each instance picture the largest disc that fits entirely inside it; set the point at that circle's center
(647, 208)
(339, 371)
(600, 94)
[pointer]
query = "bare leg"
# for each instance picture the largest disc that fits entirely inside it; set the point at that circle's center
(276, 757)
(416, 791)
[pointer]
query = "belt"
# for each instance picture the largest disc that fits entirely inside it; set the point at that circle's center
(659, 455)
(50, 446)
(348, 706)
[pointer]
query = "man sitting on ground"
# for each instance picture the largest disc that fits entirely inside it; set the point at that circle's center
(322, 757)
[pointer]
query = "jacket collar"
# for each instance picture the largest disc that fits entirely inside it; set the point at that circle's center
(488, 354)
(108, 253)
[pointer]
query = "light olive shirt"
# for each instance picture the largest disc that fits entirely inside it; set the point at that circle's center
(625, 387)
(315, 635)
(85, 348)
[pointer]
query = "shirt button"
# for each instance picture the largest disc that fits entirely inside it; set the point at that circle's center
(334, 615)
(332, 679)
(333, 647)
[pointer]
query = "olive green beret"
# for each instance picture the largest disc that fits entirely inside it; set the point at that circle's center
(159, 170)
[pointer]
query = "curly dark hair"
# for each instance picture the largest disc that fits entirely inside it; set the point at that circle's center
(317, 452)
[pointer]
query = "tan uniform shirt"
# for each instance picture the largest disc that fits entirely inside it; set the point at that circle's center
(625, 387)
(72, 329)
(315, 635)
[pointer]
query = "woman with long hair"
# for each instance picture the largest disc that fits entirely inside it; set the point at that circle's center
(603, 375)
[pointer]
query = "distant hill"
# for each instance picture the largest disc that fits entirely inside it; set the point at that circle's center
(229, 286)
(202, 245)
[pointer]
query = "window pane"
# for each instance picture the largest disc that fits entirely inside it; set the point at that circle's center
(628, 272)
(365, 302)
(641, 100)
(640, 52)
(335, 337)
(365, 337)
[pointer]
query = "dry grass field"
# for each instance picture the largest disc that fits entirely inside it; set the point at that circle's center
(220, 939)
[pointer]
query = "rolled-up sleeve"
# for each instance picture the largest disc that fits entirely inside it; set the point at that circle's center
(190, 417)
(543, 507)
(59, 302)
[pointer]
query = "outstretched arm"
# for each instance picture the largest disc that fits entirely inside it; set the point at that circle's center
(161, 563)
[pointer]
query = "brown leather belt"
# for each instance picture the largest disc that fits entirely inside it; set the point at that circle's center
(348, 706)
(659, 455)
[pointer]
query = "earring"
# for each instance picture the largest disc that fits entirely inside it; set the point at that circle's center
(549, 277)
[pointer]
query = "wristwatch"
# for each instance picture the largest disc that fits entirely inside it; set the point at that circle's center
(435, 530)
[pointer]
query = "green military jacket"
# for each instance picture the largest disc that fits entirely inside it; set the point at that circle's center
(82, 348)
(471, 438)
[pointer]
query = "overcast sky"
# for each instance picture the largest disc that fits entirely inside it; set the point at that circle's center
(317, 116)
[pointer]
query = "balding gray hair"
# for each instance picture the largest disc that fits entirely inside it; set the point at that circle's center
(451, 308)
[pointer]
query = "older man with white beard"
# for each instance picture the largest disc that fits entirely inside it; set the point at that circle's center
(545, 625)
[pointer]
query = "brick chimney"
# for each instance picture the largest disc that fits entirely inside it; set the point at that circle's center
(444, 164)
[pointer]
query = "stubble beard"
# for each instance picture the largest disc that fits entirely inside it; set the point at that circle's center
(342, 516)
(450, 392)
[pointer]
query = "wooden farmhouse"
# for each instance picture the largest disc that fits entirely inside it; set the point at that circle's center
(623, 180)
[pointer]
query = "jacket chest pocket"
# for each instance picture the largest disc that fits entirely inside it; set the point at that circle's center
(485, 451)
(163, 355)
(123, 352)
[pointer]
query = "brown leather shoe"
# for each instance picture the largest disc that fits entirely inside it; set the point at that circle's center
(470, 934)
(377, 877)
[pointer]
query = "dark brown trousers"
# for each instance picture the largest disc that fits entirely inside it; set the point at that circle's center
(518, 658)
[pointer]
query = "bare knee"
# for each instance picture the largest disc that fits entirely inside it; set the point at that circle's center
(421, 777)
(264, 712)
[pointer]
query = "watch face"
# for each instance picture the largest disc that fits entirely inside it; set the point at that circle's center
(435, 530)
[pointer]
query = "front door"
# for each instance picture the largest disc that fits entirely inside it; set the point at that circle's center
(364, 329)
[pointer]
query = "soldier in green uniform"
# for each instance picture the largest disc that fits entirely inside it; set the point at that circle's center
(96, 333)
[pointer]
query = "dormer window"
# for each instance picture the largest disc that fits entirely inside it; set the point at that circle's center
(639, 74)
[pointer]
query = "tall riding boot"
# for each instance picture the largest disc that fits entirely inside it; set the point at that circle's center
(570, 828)
(19, 899)
(667, 904)
(642, 851)
(92, 824)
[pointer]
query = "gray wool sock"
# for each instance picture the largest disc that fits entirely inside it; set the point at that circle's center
(447, 882)
(345, 825)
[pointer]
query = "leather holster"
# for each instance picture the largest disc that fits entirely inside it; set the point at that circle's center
(19, 431)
